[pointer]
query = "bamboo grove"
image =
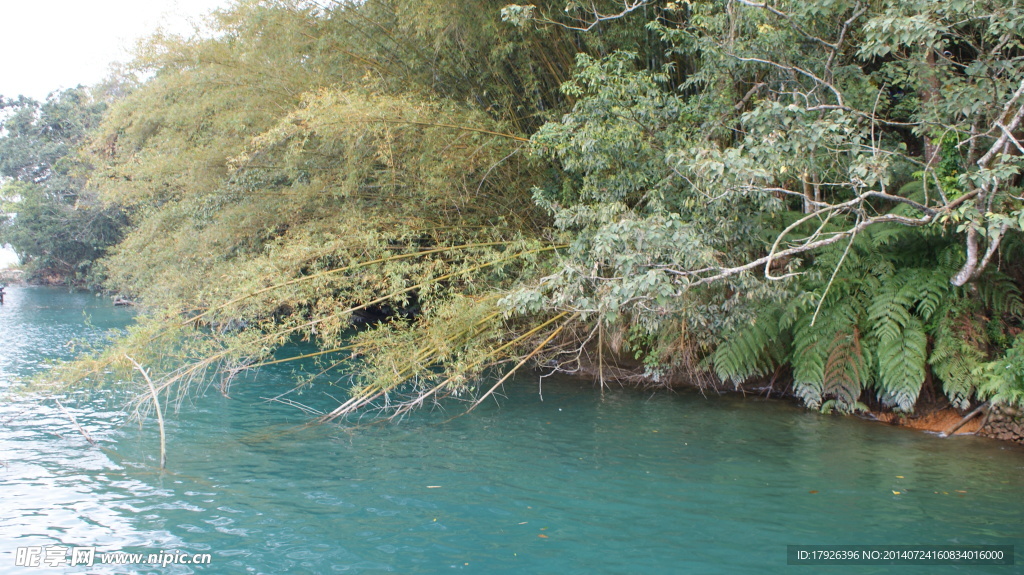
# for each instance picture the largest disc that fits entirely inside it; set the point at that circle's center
(823, 196)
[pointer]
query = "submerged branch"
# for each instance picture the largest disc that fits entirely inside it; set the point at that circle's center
(360, 401)
(159, 412)
(74, 422)
(529, 356)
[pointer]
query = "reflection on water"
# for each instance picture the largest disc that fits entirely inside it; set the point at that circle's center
(578, 483)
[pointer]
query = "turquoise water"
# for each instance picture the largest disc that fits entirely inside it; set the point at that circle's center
(570, 481)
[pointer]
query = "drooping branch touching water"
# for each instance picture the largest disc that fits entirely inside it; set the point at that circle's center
(159, 412)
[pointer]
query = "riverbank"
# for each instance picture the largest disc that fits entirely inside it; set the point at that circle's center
(1000, 423)
(12, 276)
(1005, 424)
(17, 276)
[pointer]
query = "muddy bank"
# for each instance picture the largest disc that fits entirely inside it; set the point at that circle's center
(999, 422)
(938, 421)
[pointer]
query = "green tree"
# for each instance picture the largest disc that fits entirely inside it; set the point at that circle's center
(801, 127)
(57, 225)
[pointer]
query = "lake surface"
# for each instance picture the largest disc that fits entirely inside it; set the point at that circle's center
(570, 481)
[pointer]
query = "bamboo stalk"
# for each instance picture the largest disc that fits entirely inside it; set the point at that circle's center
(216, 357)
(192, 370)
(74, 421)
(358, 402)
(535, 351)
(338, 270)
(422, 284)
(159, 413)
(439, 125)
(298, 357)
(419, 399)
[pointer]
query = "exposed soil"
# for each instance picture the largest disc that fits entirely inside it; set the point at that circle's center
(937, 421)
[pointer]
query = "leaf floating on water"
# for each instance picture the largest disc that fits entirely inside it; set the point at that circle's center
(541, 535)
(813, 491)
(433, 487)
(960, 491)
(524, 522)
(895, 492)
(900, 477)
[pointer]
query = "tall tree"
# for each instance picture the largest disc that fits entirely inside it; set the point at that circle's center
(814, 146)
(57, 225)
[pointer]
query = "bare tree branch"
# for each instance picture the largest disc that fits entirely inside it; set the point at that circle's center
(766, 260)
(838, 95)
(628, 7)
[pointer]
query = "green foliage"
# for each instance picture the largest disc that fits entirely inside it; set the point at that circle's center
(886, 322)
(958, 352)
(306, 170)
(794, 135)
(633, 219)
(816, 188)
(56, 224)
(1002, 381)
(753, 352)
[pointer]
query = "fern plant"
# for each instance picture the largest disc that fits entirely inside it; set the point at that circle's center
(755, 351)
(880, 324)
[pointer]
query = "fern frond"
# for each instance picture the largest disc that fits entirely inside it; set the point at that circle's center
(956, 356)
(888, 235)
(931, 296)
(809, 356)
(752, 351)
(901, 366)
(846, 371)
(1002, 381)
(890, 309)
(829, 360)
(1001, 295)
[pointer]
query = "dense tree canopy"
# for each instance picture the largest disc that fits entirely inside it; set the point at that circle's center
(56, 225)
(821, 192)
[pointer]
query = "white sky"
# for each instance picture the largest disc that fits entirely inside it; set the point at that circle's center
(47, 45)
(7, 258)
